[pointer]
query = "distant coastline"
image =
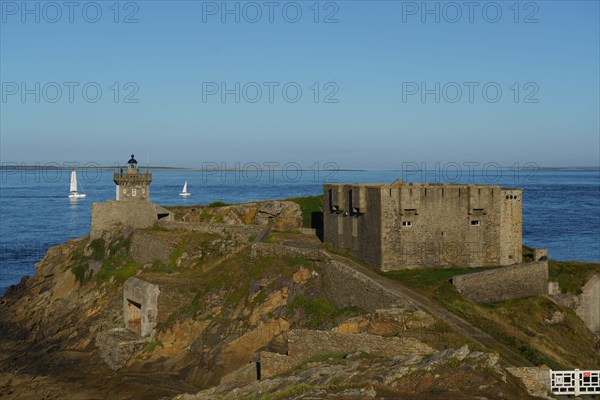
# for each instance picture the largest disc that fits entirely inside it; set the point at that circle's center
(163, 168)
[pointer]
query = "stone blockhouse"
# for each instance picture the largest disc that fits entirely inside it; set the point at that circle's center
(140, 306)
(423, 225)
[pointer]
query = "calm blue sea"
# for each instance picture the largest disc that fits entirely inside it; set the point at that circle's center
(561, 208)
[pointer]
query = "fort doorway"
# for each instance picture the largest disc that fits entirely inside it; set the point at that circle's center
(134, 316)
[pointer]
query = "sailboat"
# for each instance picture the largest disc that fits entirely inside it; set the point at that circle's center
(184, 192)
(74, 193)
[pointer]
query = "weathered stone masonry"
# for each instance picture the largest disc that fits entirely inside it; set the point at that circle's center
(513, 282)
(420, 225)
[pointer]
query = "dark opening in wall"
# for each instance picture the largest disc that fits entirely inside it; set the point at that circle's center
(134, 316)
(475, 223)
(258, 370)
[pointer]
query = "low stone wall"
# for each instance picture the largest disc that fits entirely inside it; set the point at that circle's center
(274, 249)
(512, 282)
(304, 343)
(346, 287)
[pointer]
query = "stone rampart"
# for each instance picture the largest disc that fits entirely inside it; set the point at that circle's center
(112, 214)
(512, 282)
(346, 287)
(304, 343)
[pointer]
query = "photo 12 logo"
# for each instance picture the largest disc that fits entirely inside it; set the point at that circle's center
(452, 12)
(53, 12)
(51, 172)
(269, 92)
(69, 92)
(252, 12)
(270, 171)
(469, 92)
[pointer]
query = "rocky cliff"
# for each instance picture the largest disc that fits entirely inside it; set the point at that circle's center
(248, 307)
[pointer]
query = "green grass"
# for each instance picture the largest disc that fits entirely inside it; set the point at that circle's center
(97, 246)
(317, 311)
(571, 275)
(151, 346)
(503, 320)
(121, 273)
(309, 205)
(217, 204)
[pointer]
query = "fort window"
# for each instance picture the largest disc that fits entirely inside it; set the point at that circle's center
(475, 222)
(125, 191)
(133, 192)
(407, 224)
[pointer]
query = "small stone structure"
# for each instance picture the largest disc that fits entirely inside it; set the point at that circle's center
(513, 282)
(425, 225)
(589, 304)
(111, 215)
(140, 306)
(540, 254)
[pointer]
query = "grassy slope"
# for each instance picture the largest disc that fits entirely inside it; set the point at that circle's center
(519, 323)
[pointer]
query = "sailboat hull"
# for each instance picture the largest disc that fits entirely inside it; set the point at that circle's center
(76, 195)
(184, 194)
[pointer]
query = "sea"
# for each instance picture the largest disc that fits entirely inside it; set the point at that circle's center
(561, 207)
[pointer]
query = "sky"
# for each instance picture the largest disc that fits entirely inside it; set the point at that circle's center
(361, 84)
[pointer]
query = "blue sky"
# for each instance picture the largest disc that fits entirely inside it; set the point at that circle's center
(370, 60)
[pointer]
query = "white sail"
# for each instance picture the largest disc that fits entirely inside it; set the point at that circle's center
(73, 187)
(184, 192)
(73, 181)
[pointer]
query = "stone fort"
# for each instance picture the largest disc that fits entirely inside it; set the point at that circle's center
(425, 225)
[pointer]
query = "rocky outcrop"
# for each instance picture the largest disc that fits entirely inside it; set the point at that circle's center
(278, 215)
(118, 345)
(450, 374)
(535, 379)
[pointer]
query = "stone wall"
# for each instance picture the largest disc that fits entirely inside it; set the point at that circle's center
(512, 282)
(346, 287)
(146, 247)
(114, 214)
(403, 226)
(352, 220)
(589, 304)
(274, 249)
(304, 343)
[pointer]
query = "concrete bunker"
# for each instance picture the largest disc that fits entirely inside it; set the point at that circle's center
(140, 306)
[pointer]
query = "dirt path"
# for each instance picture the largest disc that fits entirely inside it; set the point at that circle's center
(459, 325)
